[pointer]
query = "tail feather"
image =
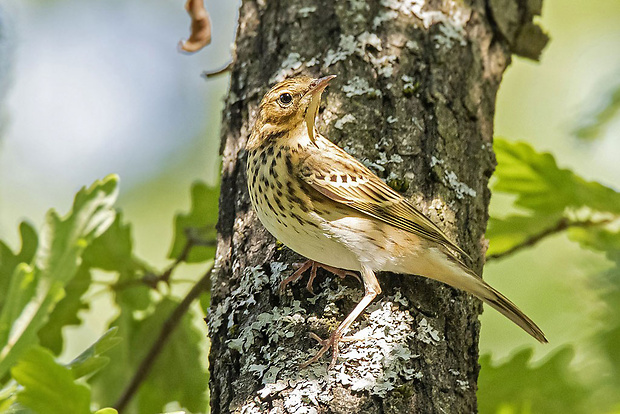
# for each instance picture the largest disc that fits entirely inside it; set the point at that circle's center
(458, 276)
(441, 265)
(511, 311)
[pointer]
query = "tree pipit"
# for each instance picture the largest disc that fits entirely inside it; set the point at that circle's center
(327, 206)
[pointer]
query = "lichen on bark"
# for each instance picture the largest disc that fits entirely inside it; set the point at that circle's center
(414, 100)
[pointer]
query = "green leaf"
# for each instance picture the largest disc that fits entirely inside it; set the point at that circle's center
(8, 398)
(598, 238)
(516, 387)
(513, 230)
(35, 290)
(92, 359)
(178, 374)
(9, 260)
(541, 186)
(106, 411)
(199, 224)
(544, 192)
(48, 387)
(179, 370)
(66, 311)
(596, 122)
(113, 252)
(608, 337)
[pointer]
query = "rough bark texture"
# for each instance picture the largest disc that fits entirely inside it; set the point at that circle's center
(414, 100)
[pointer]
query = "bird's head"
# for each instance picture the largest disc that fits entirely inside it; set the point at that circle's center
(290, 103)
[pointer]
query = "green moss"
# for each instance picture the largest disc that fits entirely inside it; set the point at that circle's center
(410, 88)
(398, 184)
(405, 390)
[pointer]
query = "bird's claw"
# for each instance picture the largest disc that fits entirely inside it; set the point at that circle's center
(331, 342)
(313, 266)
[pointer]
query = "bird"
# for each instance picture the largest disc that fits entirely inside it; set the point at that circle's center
(327, 206)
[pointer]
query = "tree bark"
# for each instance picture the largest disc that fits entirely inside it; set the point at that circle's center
(414, 100)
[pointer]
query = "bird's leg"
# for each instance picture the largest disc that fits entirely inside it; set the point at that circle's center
(371, 290)
(341, 273)
(313, 266)
(296, 275)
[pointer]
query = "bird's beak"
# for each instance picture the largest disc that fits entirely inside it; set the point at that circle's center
(316, 89)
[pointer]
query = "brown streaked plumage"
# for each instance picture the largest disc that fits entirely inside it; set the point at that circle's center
(327, 206)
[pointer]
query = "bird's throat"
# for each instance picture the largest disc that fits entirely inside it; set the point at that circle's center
(311, 113)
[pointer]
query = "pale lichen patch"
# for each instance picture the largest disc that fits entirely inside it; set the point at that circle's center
(378, 360)
(461, 189)
(288, 67)
(358, 5)
(451, 23)
(382, 360)
(436, 161)
(359, 86)
(312, 62)
(365, 45)
(291, 65)
(426, 333)
(451, 180)
(409, 85)
(463, 385)
(303, 398)
(304, 12)
(449, 35)
(346, 47)
(344, 120)
(384, 16)
(369, 39)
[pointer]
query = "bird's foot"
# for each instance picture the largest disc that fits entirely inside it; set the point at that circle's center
(331, 342)
(313, 266)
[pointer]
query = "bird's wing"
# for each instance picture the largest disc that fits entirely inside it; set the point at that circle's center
(343, 179)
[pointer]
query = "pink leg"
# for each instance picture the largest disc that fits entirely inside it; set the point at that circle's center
(293, 278)
(341, 273)
(313, 266)
(372, 289)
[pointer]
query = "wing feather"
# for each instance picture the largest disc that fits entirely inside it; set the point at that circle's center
(343, 179)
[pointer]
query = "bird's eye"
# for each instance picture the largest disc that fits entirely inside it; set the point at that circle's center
(285, 99)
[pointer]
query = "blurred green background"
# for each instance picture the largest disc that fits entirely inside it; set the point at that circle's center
(91, 88)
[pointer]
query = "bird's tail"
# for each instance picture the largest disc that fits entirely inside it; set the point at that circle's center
(440, 265)
(473, 284)
(511, 311)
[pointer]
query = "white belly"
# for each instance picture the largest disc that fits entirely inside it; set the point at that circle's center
(309, 241)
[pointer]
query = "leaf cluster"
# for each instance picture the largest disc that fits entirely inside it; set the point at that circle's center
(551, 200)
(54, 277)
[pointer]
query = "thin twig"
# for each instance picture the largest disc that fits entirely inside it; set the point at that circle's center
(561, 225)
(165, 277)
(151, 280)
(220, 71)
(166, 330)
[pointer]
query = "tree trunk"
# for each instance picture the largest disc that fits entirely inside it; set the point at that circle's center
(414, 100)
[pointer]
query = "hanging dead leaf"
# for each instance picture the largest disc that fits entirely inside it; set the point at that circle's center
(200, 29)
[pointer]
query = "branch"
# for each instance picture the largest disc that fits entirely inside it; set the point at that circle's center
(211, 74)
(563, 224)
(166, 330)
(151, 280)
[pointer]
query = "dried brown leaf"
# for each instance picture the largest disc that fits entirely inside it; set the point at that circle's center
(200, 29)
